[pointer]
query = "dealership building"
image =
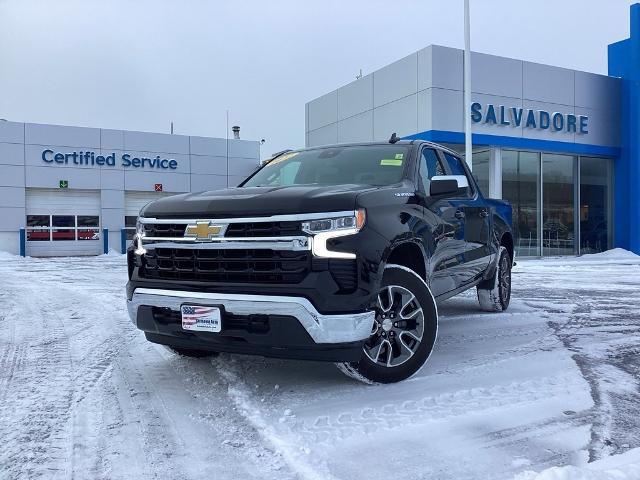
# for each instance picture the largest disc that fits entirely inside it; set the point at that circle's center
(77, 191)
(563, 146)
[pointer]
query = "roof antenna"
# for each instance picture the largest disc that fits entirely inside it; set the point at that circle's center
(394, 138)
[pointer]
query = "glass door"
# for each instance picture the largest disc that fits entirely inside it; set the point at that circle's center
(558, 200)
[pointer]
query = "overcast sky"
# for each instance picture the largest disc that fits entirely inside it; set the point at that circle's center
(138, 65)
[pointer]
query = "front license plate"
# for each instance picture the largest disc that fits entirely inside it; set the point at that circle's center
(201, 318)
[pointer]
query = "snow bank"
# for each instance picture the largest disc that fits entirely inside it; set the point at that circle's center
(613, 256)
(618, 467)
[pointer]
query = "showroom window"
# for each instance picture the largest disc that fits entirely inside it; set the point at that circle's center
(480, 171)
(521, 187)
(545, 189)
(595, 204)
(59, 228)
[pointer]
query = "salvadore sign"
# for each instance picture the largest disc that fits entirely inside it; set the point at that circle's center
(502, 115)
(91, 159)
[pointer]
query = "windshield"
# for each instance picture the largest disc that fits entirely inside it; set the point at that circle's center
(368, 165)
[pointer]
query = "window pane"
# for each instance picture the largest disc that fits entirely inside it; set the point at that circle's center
(64, 220)
(520, 186)
(88, 234)
(38, 235)
(369, 165)
(59, 234)
(595, 191)
(37, 220)
(430, 167)
(558, 234)
(88, 221)
(481, 171)
(130, 221)
(455, 165)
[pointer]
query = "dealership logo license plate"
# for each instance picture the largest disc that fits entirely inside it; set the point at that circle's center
(201, 318)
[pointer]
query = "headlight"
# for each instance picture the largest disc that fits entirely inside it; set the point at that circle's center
(137, 239)
(139, 227)
(355, 221)
(328, 228)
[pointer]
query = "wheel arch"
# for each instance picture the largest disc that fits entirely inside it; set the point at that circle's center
(408, 254)
(506, 241)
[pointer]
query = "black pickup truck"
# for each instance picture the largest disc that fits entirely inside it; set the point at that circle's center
(337, 253)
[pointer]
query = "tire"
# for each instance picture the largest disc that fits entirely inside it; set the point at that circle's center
(494, 294)
(404, 332)
(193, 353)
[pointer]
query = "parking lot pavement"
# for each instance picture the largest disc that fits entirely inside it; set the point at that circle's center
(553, 381)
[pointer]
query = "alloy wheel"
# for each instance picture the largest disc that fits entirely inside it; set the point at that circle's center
(398, 327)
(505, 279)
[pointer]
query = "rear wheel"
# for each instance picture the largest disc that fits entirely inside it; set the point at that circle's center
(193, 353)
(494, 294)
(403, 333)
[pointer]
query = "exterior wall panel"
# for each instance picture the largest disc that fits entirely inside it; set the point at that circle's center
(38, 134)
(395, 81)
(11, 176)
(323, 111)
(325, 135)
(11, 153)
(545, 83)
(496, 75)
(11, 132)
(156, 142)
(355, 97)
(356, 128)
(400, 116)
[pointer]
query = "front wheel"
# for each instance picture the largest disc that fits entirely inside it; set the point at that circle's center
(494, 294)
(403, 333)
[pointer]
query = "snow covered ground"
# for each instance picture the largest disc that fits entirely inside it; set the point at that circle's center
(552, 382)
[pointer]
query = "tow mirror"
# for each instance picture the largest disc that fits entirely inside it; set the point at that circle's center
(447, 185)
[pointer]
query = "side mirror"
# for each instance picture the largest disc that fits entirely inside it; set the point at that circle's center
(447, 185)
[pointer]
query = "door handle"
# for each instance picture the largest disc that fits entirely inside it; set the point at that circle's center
(459, 214)
(484, 213)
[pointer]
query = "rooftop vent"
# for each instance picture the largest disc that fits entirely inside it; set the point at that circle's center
(236, 132)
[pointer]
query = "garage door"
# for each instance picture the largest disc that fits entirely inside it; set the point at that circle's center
(133, 203)
(63, 222)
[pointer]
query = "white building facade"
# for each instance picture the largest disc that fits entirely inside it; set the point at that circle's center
(77, 191)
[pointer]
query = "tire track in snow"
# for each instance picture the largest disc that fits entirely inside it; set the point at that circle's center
(296, 456)
(397, 415)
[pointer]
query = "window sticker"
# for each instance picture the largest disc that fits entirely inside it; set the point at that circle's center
(391, 162)
(399, 156)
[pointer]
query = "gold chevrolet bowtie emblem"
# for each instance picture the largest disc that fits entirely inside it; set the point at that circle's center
(202, 231)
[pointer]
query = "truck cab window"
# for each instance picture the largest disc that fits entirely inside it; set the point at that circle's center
(456, 168)
(430, 166)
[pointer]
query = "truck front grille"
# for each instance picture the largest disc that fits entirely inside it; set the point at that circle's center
(232, 265)
(263, 229)
(165, 230)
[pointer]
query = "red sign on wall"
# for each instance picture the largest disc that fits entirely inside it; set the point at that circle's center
(158, 187)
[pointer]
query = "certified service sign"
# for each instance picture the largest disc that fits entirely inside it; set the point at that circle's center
(91, 159)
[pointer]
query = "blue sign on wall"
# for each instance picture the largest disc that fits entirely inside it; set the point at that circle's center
(90, 159)
(529, 118)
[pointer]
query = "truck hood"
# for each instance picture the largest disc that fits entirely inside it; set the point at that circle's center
(257, 201)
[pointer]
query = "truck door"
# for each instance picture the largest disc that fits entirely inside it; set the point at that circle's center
(477, 228)
(447, 229)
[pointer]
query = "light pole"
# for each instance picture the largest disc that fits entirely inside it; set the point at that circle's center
(468, 155)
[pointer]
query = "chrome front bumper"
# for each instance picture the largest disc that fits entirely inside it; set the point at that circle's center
(322, 328)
